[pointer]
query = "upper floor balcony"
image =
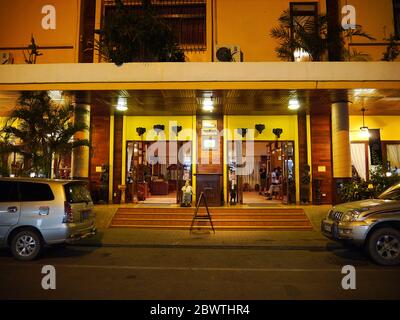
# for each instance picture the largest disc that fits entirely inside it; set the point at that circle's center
(65, 31)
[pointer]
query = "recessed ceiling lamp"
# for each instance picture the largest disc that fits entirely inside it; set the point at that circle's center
(208, 104)
(55, 95)
(294, 104)
(360, 92)
(122, 104)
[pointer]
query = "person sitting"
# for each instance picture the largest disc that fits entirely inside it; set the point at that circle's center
(275, 187)
(187, 195)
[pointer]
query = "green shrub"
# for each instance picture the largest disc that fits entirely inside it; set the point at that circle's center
(359, 189)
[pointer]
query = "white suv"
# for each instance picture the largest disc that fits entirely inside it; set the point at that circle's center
(38, 212)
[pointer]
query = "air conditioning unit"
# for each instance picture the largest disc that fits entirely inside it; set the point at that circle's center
(6, 58)
(227, 53)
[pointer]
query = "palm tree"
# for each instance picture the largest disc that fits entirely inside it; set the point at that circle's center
(392, 49)
(43, 130)
(312, 37)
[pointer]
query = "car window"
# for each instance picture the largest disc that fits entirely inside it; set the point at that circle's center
(33, 191)
(76, 192)
(393, 193)
(9, 191)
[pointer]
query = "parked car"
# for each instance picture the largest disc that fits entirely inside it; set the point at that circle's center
(373, 224)
(39, 212)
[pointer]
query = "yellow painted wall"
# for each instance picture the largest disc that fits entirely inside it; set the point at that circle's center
(229, 22)
(111, 161)
(148, 122)
(389, 126)
(21, 18)
(287, 123)
(248, 24)
(309, 159)
(376, 18)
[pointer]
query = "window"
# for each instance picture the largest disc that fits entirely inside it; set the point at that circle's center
(303, 20)
(77, 192)
(396, 14)
(186, 18)
(33, 191)
(9, 191)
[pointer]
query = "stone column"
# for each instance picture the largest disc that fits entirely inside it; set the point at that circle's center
(341, 140)
(80, 155)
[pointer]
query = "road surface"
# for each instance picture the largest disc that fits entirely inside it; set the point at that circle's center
(154, 272)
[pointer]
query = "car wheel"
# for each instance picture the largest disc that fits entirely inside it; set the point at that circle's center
(26, 245)
(384, 246)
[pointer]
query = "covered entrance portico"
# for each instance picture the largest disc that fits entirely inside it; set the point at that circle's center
(244, 97)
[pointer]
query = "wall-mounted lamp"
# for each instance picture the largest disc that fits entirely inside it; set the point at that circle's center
(277, 132)
(158, 127)
(176, 129)
(242, 131)
(140, 131)
(260, 128)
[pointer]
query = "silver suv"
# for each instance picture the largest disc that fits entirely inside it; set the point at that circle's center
(39, 212)
(373, 224)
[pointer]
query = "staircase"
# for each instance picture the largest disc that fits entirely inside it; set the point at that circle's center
(225, 218)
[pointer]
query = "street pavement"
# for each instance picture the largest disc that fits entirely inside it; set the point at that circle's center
(177, 265)
(263, 272)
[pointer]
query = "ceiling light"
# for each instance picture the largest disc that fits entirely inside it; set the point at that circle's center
(364, 129)
(359, 92)
(208, 105)
(55, 95)
(122, 108)
(293, 104)
(122, 104)
(364, 132)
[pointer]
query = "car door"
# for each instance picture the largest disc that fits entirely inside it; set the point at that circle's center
(10, 206)
(38, 206)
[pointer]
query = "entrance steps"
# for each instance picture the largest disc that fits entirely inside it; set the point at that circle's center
(224, 218)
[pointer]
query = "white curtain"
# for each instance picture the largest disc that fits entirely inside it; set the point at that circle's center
(253, 177)
(130, 154)
(358, 159)
(393, 155)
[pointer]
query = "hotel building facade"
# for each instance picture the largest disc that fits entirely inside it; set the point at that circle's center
(215, 124)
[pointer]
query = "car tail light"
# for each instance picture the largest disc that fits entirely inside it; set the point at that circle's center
(68, 215)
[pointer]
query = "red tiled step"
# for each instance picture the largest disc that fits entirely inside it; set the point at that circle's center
(223, 218)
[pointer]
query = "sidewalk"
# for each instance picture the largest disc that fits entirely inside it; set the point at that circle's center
(312, 240)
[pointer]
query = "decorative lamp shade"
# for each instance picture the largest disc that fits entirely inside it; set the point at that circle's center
(277, 132)
(140, 131)
(158, 127)
(176, 129)
(242, 131)
(260, 128)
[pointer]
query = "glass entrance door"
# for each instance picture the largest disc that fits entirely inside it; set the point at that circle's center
(269, 178)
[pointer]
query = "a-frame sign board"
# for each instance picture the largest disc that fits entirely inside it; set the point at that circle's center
(202, 217)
